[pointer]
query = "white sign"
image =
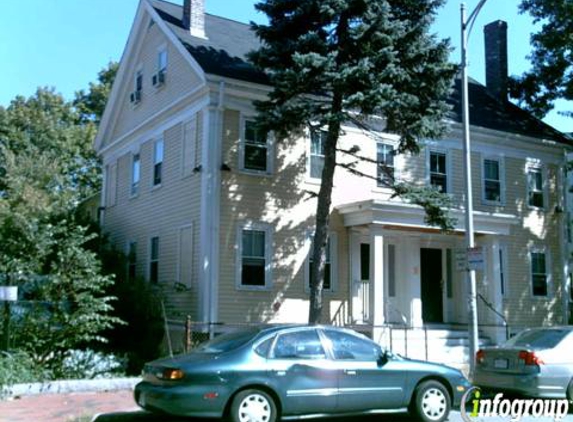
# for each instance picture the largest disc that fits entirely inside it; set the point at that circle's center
(8, 293)
(469, 259)
(475, 258)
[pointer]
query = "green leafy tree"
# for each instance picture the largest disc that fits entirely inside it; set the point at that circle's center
(342, 61)
(551, 75)
(91, 104)
(48, 168)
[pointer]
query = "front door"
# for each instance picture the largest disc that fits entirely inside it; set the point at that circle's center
(432, 281)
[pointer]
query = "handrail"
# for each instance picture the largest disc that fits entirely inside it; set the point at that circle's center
(495, 311)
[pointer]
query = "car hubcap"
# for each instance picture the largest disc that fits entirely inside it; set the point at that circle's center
(434, 403)
(255, 408)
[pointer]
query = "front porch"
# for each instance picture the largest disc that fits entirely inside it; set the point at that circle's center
(403, 273)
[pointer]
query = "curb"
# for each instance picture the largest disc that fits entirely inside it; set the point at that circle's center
(70, 386)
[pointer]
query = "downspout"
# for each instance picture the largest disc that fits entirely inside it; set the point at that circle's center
(216, 206)
(564, 226)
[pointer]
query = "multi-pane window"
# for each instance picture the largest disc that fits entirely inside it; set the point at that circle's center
(253, 258)
(327, 285)
(154, 260)
(255, 148)
(157, 162)
(135, 174)
(131, 260)
(438, 171)
(535, 187)
(135, 96)
(491, 180)
(317, 142)
(385, 164)
(539, 274)
(162, 61)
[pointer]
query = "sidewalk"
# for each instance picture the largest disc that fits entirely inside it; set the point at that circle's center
(71, 407)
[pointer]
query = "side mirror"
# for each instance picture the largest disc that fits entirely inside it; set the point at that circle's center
(384, 357)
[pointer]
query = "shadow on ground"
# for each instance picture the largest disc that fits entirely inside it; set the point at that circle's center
(141, 416)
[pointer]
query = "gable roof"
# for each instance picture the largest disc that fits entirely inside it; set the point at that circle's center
(228, 42)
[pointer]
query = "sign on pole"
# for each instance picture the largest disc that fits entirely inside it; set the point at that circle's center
(470, 259)
(475, 259)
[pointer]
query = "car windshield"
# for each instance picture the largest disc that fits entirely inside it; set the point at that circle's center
(538, 339)
(227, 342)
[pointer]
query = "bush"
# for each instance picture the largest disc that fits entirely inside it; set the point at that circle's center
(89, 364)
(19, 367)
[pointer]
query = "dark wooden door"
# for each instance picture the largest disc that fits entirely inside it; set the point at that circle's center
(431, 279)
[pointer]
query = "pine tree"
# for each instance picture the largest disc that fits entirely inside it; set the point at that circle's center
(332, 62)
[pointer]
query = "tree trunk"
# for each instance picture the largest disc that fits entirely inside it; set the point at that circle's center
(323, 215)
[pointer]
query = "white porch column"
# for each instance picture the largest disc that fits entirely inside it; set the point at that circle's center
(413, 281)
(377, 276)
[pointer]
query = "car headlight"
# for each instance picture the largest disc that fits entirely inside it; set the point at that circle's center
(171, 374)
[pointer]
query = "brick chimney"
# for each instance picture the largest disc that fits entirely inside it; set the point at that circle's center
(194, 17)
(495, 34)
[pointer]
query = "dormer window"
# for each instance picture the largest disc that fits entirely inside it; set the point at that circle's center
(158, 78)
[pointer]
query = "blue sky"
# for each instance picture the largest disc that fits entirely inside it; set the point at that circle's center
(64, 43)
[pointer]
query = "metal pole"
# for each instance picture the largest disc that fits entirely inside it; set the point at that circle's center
(471, 275)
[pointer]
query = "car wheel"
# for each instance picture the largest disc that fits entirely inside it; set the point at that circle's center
(431, 402)
(570, 391)
(253, 406)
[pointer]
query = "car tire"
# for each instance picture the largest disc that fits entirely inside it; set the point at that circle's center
(430, 402)
(253, 406)
(570, 391)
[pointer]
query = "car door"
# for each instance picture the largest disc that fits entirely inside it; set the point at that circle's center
(301, 372)
(364, 380)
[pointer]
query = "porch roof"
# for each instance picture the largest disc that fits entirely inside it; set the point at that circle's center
(397, 215)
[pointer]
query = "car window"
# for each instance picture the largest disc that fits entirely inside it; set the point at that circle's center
(303, 344)
(349, 347)
(263, 348)
(538, 339)
(227, 342)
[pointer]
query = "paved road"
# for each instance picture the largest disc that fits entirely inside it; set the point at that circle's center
(392, 417)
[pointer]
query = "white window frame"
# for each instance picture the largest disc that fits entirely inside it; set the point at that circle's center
(111, 171)
(189, 148)
(242, 146)
(394, 166)
(255, 226)
(537, 166)
(310, 155)
(150, 259)
(501, 165)
(448, 168)
(157, 162)
(135, 185)
(548, 273)
(333, 258)
(162, 50)
(138, 73)
(128, 256)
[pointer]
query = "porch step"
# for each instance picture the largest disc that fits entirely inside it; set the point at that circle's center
(436, 345)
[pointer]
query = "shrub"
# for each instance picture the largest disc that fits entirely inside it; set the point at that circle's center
(19, 367)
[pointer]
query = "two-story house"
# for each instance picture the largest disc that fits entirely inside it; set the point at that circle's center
(219, 215)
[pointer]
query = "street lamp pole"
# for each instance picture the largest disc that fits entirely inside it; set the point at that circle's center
(466, 26)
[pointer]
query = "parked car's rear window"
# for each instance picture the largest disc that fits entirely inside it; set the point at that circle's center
(227, 342)
(538, 339)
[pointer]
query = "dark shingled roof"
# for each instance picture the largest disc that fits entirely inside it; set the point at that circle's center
(224, 53)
